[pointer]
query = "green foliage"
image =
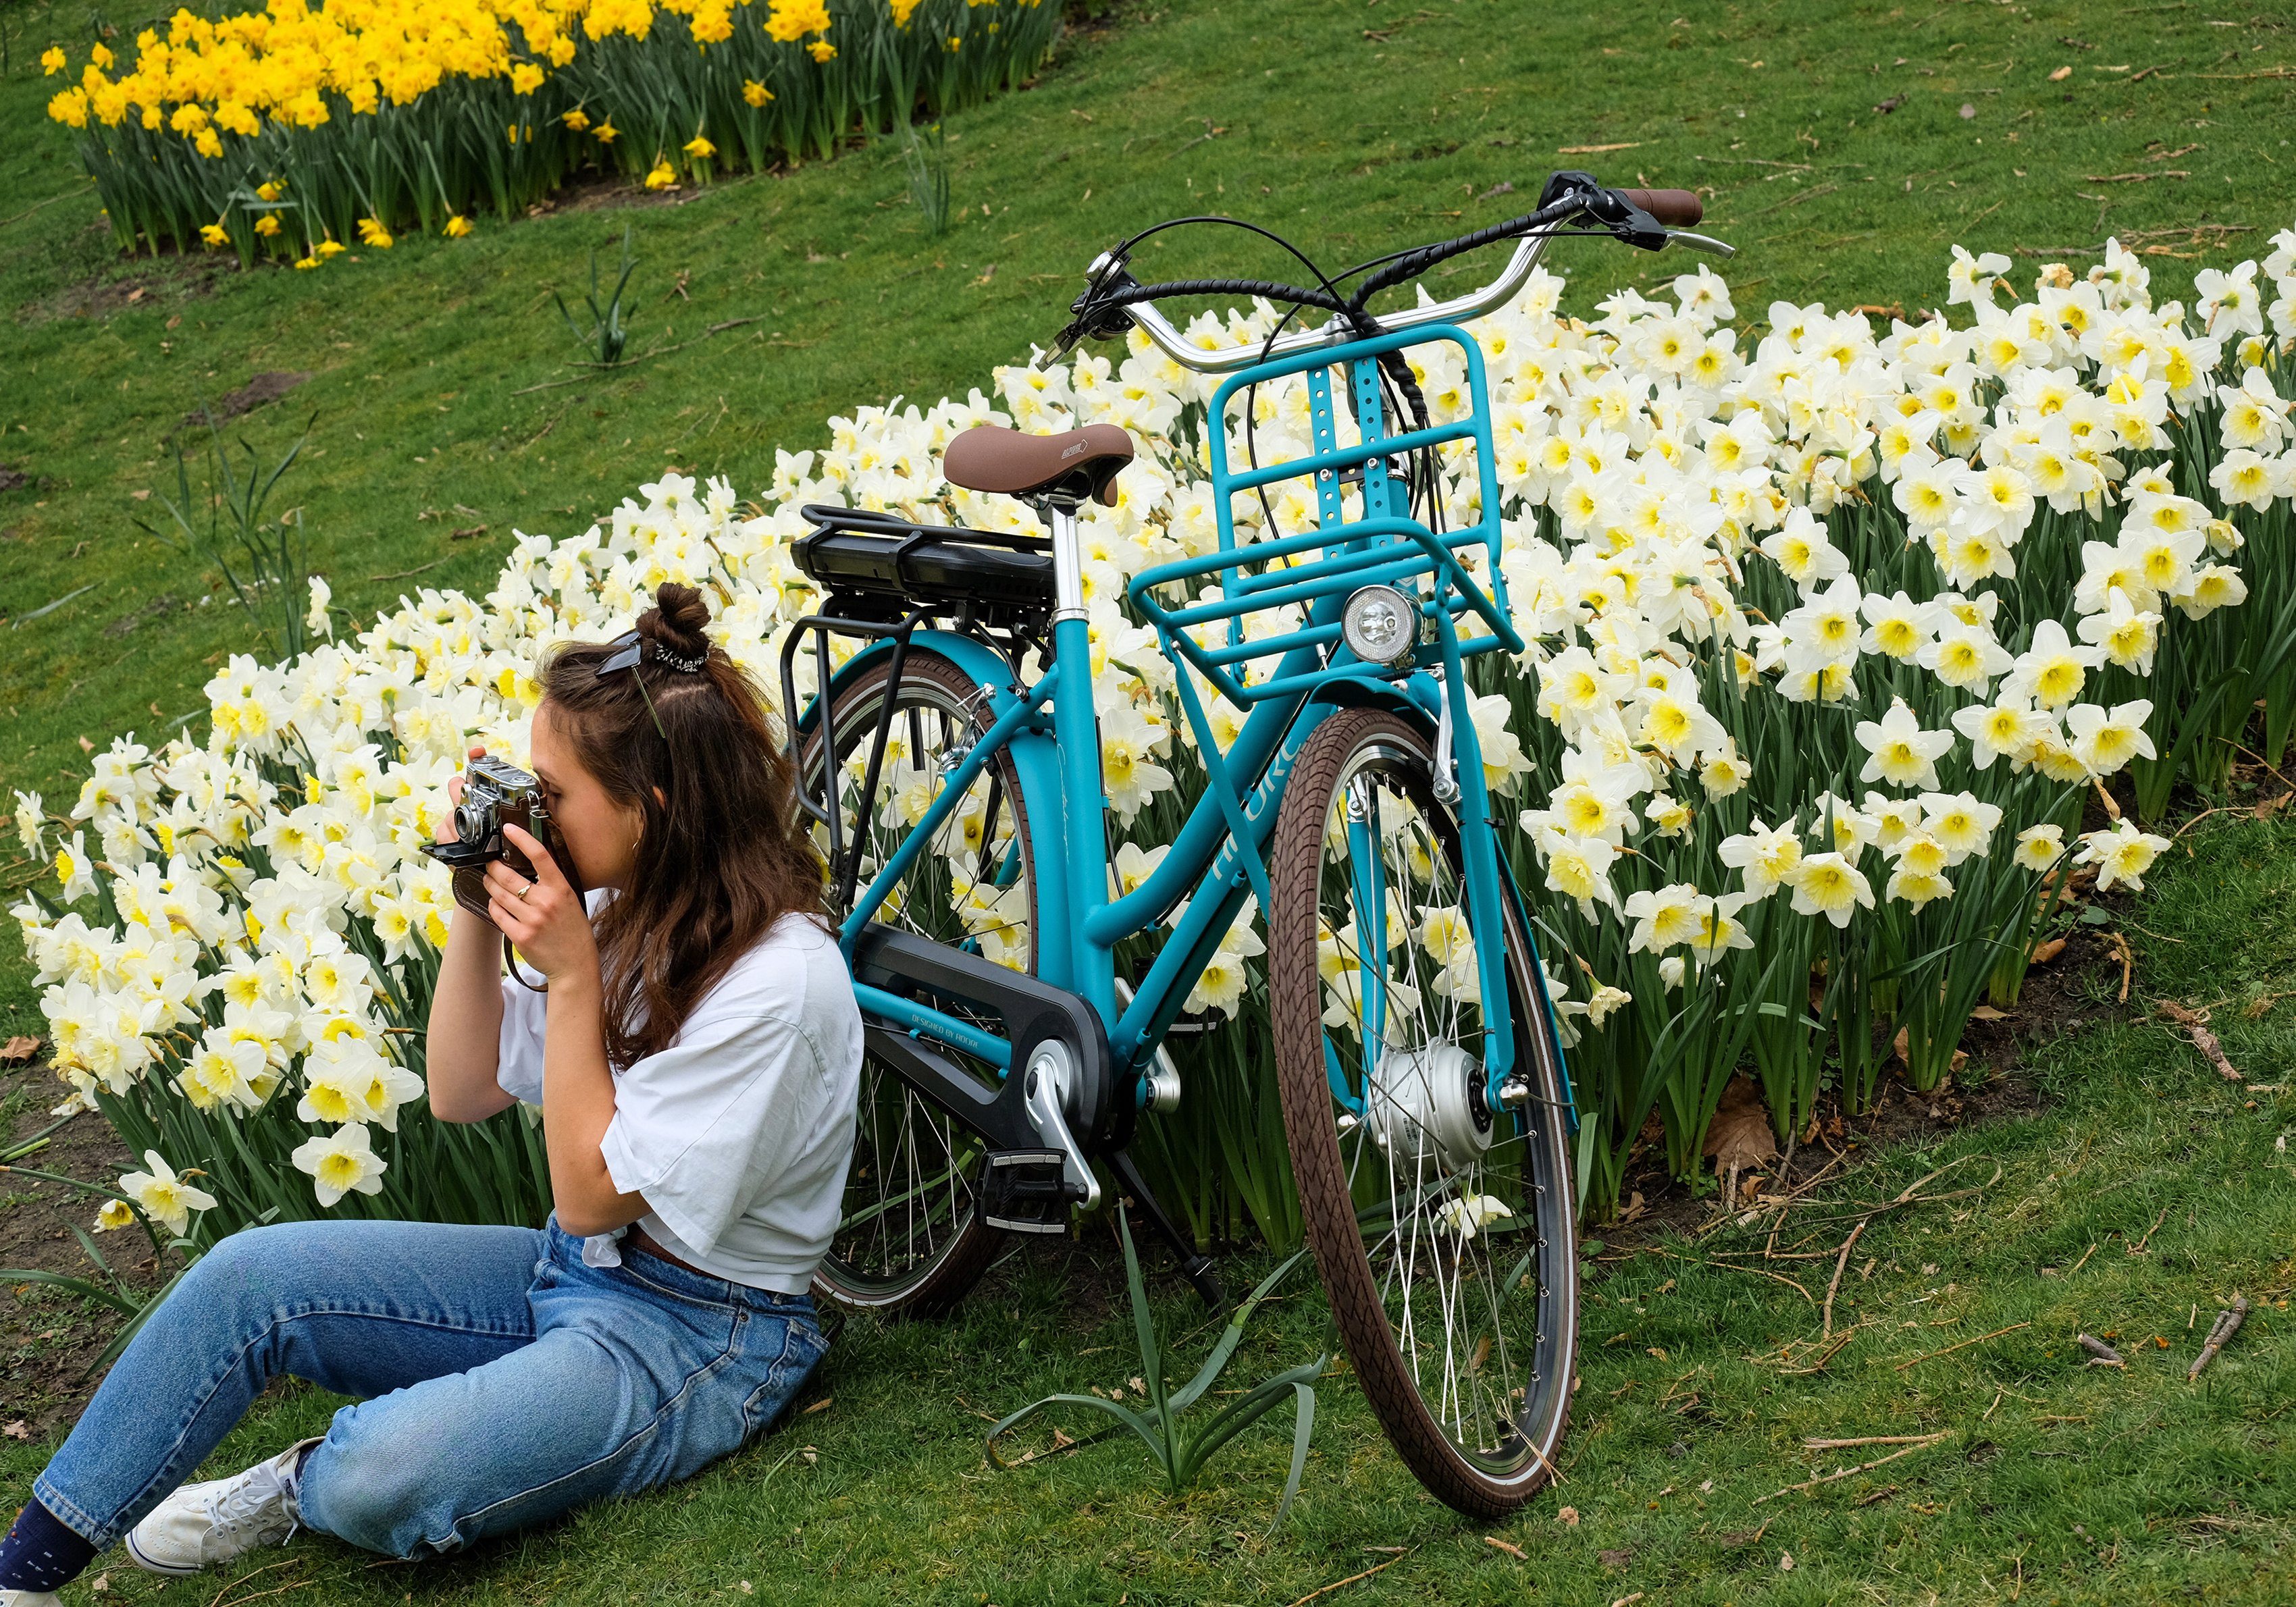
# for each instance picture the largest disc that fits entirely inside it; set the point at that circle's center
(1181, 1453)
(609, 335)
(261, 559)
(924, 157)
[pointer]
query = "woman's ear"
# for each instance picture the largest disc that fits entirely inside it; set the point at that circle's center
(660, 798)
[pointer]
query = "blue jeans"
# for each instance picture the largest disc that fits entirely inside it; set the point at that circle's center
(502, 1382)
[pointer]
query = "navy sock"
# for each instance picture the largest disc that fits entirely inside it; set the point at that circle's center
(40, 1554)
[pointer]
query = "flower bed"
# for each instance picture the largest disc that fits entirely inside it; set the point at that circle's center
(294, 131)
(1834, 640)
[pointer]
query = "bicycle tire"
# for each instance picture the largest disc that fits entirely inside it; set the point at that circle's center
(1482, 1482)
(936, 1282)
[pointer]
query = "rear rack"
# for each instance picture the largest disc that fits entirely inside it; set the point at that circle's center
(886, 576)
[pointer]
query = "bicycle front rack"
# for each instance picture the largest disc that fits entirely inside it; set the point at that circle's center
(1382, 544)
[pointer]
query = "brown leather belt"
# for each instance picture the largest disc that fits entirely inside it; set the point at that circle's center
(637, 1238)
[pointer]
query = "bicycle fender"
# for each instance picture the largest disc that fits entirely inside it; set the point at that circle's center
(1414, 698)
(1036, 762)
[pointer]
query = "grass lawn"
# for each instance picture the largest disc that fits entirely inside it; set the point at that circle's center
(439, 378)
(2136, 1191)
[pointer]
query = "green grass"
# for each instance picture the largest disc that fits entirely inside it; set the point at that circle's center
(2081, 1485)
(1355, 128)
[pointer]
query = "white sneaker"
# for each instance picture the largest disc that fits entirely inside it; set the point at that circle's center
(203, 1524)
(29, 1598)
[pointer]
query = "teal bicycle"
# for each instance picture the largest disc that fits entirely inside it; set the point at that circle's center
(1424, 1097)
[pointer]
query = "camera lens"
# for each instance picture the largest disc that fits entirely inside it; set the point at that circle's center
(474, 823)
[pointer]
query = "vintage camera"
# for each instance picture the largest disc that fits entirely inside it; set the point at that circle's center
(496, 794)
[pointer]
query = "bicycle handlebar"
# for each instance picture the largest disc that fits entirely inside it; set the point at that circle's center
(1644, 218)
(1668, 206)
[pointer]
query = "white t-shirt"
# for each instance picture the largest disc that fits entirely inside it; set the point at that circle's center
(740, 1132)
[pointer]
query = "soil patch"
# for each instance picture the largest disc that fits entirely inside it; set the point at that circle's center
(168, 277)
(49, 1336)
(266, 387)
(1993, 1085)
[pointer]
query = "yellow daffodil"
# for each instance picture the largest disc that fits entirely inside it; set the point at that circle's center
(372, 233)
(271, 189)
(267, 225)
(51, 60)
(576, 119)
(306, 262)
(215, 234)
(608, 133)
(700, 148)
(457, 226)
(755, 92)
(822, 50)
(662, 178)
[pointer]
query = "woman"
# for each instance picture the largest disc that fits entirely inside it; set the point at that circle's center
(696, 1056)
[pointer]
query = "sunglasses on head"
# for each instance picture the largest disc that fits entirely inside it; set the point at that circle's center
(627, 652)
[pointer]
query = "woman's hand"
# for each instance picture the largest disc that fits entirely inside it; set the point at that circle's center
(545, 917)
(455, 784)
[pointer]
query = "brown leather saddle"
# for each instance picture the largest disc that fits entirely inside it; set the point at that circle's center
(1075, 463)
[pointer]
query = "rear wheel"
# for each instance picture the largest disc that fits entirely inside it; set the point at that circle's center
(1442, 1228)
(910, 1237)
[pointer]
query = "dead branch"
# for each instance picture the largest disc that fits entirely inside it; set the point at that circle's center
(2101, 1355)
(2195, 1025)
(1925, 1441)
(2227, 1324)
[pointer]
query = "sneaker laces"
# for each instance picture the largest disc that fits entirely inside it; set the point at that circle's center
(251, 1509)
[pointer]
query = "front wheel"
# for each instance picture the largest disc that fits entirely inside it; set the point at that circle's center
(1442, 1228)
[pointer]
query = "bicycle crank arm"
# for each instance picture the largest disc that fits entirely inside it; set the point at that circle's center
(1060, 1097)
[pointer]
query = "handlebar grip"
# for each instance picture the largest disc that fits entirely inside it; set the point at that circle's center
(1674, 207)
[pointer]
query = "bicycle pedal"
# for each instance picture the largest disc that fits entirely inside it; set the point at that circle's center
(1025, 1192)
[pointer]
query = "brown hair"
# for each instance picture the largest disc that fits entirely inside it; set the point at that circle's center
(723, 853)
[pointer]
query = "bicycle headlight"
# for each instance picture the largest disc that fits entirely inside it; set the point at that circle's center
(1381, 625)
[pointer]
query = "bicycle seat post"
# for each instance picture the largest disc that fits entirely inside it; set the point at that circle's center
(1060, 515)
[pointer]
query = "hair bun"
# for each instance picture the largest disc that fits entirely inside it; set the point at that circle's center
(678, 622)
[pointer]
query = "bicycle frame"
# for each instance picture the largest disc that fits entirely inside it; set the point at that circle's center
(1217, 860)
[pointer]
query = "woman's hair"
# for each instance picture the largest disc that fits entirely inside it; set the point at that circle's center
(723, 853)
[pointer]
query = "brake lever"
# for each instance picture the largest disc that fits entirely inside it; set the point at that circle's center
(1089, 321)
(1701, 242)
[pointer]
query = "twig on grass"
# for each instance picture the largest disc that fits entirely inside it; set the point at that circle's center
(1778, 1277)
(1966, 1344)
(2139, 1248)
(1841, 1262)
(243, 1578)
(2128, 962)
(1516, 1552)
(2227, 1324)
(2195, 1025)
(1351, 1580)
(409, 574)
(1923, 1444)
(2101, 1355)
(1843, 1445)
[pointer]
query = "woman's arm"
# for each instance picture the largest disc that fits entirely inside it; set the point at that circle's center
(461, 1047)
(545, 919)
(577, 1103)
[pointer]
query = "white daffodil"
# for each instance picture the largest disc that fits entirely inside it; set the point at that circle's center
(1899, 750)
(164, 1195)
(1467, 1215)
(340, 1164)
(2105, 740)
(2121, 854)
(1828, 885)
(2040, 847)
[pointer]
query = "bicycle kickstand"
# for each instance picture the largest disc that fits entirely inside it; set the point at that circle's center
(1200, 1270)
